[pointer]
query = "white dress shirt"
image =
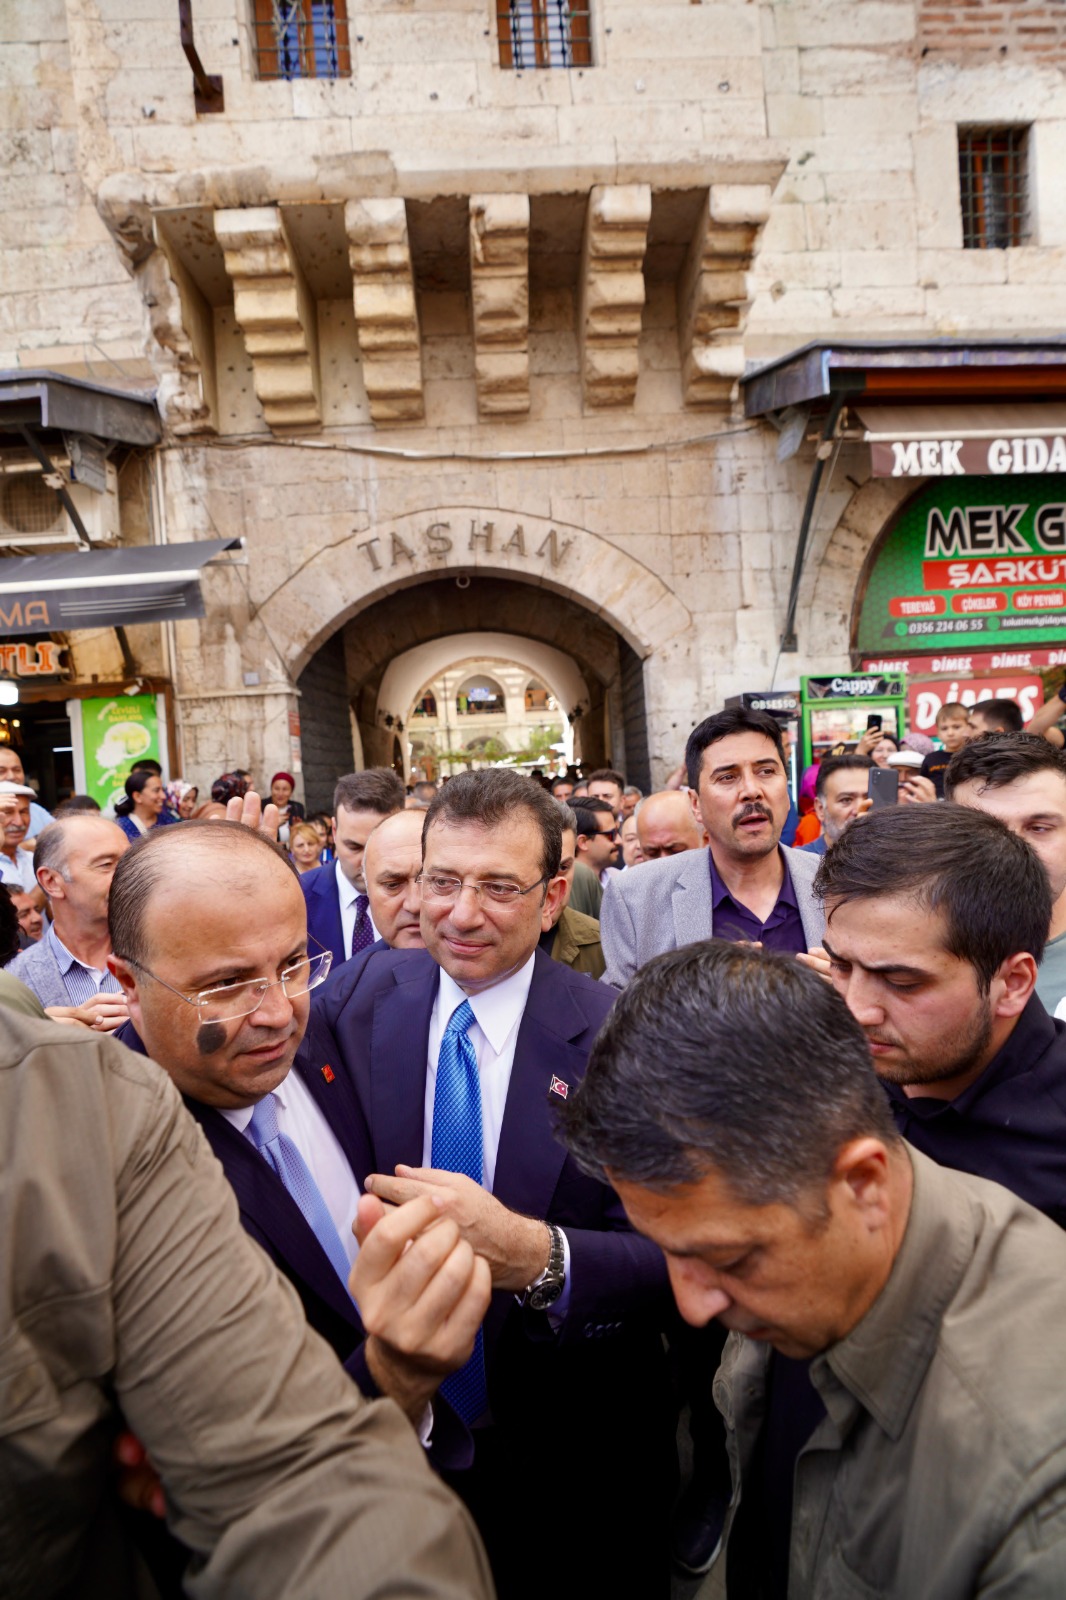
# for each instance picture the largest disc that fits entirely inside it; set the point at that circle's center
(348, 895)
(18, 873)
(497, 1017)
(301, 1120)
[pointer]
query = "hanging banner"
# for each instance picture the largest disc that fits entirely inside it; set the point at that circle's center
(113, 736)
(982, 562)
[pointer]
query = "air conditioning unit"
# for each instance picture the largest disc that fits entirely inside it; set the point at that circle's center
(31, 512)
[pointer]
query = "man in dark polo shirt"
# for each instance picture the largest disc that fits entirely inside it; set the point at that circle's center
(936, 918)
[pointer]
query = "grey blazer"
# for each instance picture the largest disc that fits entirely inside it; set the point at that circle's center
(37, 969)
(661, 905)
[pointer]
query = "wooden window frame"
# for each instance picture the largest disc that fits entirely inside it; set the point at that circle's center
(580, 40)
(264, 45)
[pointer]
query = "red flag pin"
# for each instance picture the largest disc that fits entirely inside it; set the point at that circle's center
(328, 1073)
(558, 1087)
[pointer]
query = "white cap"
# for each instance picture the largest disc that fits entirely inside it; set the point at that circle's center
(906, 758)
(17, 788)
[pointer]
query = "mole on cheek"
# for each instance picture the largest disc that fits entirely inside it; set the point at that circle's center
(210, 1036)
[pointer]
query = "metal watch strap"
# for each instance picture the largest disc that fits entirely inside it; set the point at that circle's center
(546, 1289)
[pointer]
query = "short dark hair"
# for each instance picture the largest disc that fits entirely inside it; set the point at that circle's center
(586, 814)
(990, 886)
(73, 804)
(997, 759)
(147, 764)
(720, 726)
(720, 1057)
(831, 764)
(375, 789)
(607, 775)
(492, 795)
(556, 781)
(150, 861)
(1008, 713)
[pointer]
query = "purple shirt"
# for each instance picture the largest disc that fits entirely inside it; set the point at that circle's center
(783, 928)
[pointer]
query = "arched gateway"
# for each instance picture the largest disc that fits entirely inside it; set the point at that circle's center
(350, 611)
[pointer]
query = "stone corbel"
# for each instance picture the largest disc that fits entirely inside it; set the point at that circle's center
(276, 313)
(499, 281)
(612, 292)
(714, 292)
(386, 312)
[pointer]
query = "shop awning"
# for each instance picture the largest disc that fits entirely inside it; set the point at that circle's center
(959, 440)
(105, 588)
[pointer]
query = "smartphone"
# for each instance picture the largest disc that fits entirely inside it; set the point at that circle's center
(883, 786)
(875, 720)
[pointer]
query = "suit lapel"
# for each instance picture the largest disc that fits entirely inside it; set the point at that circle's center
(399, 1048)
(267, 1205)
(331, 1089)
(691, 898)
(811, 910)
(330, 903)
(530, 1158)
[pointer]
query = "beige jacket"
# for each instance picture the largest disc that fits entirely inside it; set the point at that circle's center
(940, 1471)
(126, 1276)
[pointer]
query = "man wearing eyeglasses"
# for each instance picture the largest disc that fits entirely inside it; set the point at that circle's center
(458, 1056)
(210, 945)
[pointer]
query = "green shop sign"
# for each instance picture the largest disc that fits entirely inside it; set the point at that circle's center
(978, 561)
(115, 734)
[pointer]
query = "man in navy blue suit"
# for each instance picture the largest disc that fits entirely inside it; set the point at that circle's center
(458, 1057)
(210, 946)
(339, 917)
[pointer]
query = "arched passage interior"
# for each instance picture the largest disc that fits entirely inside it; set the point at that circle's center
(344, 711)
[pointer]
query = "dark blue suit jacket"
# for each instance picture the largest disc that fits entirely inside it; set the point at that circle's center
(370, 1023)
(272, 1217)
(324, 909)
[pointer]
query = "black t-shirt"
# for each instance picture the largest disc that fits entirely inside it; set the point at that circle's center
(759, 1543)
(934, 766)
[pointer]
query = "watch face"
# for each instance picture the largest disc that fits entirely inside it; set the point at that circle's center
(545, 1295)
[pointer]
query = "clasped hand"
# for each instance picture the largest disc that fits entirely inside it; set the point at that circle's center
(516, 1248)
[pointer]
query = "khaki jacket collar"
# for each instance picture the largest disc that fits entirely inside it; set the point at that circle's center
(883, 1362)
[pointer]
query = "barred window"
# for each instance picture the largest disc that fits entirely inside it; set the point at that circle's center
(543, 33)
(301, 39)
(994, 179)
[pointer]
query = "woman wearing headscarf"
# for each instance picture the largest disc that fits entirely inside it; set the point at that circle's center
(281, 786)
(181, 799)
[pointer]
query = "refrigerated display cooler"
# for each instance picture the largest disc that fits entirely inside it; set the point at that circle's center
(836, 710)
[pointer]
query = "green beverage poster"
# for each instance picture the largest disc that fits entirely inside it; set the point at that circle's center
(114, 735)
(970, 562)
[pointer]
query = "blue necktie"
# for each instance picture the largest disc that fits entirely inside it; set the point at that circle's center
(363, 932)
(457, 1148)
(279, 1151)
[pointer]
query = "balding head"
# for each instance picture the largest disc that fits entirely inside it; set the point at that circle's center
(209, 932)
(391, 865)
(162, 873)
(75, 861)
(667, 825)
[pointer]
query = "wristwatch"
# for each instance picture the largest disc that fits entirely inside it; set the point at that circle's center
(545, 1290)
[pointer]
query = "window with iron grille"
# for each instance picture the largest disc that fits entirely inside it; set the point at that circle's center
(301, 39)
(543, 33)
(994, 179)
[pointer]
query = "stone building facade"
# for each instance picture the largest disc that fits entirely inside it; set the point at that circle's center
(457, 348)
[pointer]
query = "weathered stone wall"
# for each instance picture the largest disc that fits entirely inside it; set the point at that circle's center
(480, 404)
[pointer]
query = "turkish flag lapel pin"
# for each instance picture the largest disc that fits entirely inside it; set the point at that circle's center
(558, 1088)
(328, 1073)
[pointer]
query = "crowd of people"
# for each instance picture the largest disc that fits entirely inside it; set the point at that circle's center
(574, 1122)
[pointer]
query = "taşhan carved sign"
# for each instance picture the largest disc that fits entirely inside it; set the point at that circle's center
(954, 458)
(464, 544)
(967, 565)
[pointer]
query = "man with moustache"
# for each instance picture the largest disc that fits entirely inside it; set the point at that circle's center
(745, 885)
(211, 948)
(459, 1056)
(936, 918)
